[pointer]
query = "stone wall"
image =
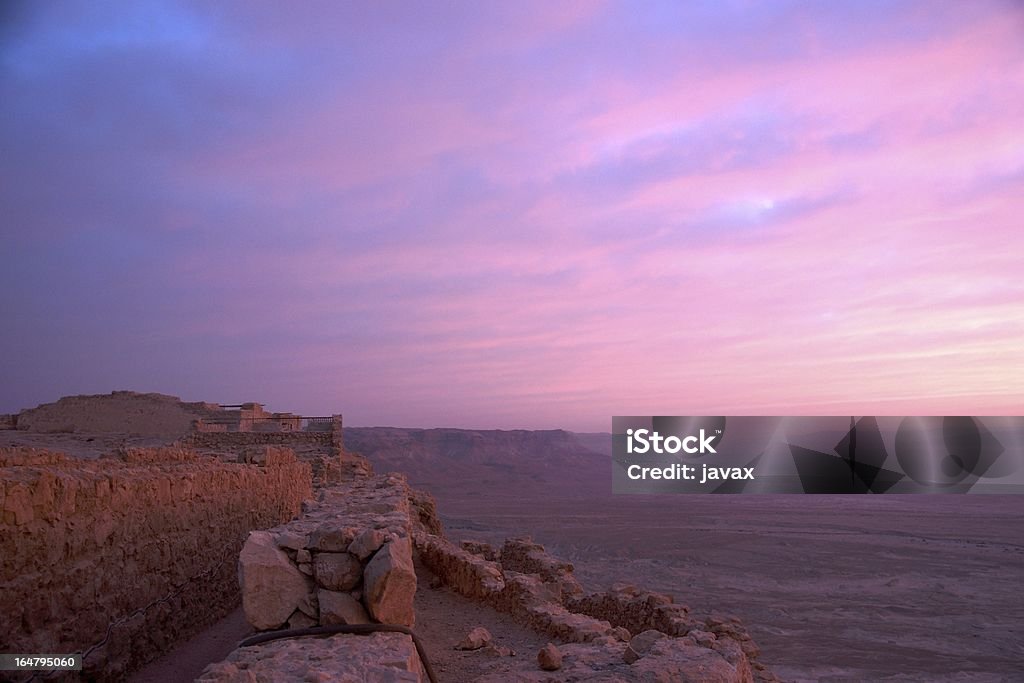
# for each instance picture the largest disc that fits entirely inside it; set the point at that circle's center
(8, 421)
(323, 450)
(228, 440)
(348, 559)
(379, 657)
(122, 557)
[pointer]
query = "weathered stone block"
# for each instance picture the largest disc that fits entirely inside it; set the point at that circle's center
(340, 608)
(390, 584)
(367, 543)
(272, 587)
(331, 538)
(337, 571)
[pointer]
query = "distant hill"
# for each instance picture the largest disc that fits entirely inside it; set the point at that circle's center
(496, 462)
(120, 412)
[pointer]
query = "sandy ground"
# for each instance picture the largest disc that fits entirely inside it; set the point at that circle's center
(443, 619)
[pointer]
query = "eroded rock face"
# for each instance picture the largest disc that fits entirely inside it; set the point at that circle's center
(272, 587)
(390, 584)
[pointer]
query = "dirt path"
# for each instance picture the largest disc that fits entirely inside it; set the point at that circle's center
(185, 662)
(443, 619)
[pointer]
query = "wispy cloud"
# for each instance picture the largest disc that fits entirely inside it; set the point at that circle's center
(517, 215)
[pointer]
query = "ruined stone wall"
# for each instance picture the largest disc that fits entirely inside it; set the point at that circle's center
(347, 559)
(541, 592)
(230, 440)
(323, 449)
(122, 557)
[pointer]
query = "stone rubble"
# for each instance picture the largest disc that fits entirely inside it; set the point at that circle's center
(549, 658)
(475, 639)
(349, 553)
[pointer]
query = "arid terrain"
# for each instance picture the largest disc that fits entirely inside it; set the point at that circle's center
(883, 588)
(831, 587)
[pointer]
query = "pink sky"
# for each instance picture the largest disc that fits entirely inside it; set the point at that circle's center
(523, 215)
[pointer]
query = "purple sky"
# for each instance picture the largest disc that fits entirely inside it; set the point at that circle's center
(517, 214)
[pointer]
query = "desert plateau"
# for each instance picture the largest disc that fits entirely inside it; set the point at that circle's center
(830, 588)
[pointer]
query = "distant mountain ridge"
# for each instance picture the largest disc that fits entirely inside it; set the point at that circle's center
(498, 460)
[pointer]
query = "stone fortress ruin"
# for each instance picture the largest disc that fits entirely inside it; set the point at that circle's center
(118, 547)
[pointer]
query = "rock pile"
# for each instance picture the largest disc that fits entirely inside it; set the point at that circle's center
(540, 591)
(346, 560)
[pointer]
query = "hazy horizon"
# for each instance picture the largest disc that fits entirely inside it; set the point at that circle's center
(518, 215)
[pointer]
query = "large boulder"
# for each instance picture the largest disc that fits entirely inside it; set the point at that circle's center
(272, 587)
(389, 584)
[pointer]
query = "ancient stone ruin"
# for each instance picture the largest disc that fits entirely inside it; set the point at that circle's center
(121, 557)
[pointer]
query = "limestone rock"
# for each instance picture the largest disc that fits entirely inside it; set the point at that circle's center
(336, 571)
(367, 543)
(702, 638)
(640, 644)
(390, 584)
(550, 658)
(331, 538)
(378, 657)
(272, 587)
(300, 620)
(484, 550)
(310, 606)
(674, 659)
(475, 639)
(340, 608)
